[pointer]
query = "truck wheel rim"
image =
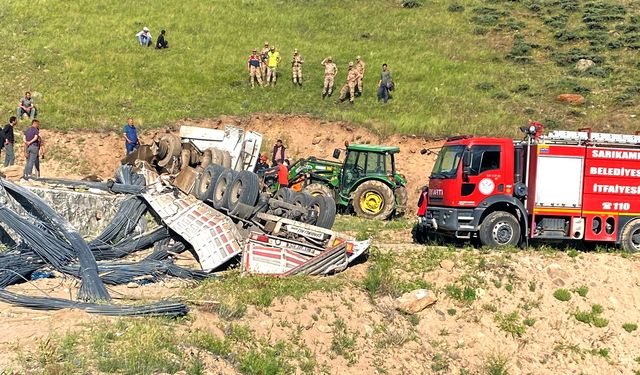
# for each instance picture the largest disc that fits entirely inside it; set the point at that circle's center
(635, 240)
(371, 202)
(502, 233)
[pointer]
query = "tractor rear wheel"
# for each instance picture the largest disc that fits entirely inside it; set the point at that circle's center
(499, 229)
(373, 200)
(630, 239)
(319, 189)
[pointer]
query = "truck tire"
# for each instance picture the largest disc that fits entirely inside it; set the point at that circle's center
(325, 208)
(226, 159)
(284, 194)
(302, 199)
(374, 200)
(402, 198)
(170, 147)
(206, 182)
(216, 156)
(221, 191)
(630, 238)
(244, 189)
(499, 229)
(319, 189)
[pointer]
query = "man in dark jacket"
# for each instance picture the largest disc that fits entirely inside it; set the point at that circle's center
(261, 165)
(7, 135)
(278, 152)
(162, 42)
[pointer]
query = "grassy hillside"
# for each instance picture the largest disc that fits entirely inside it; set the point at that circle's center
(460, 66)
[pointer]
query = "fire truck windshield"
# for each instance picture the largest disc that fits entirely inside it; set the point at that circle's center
(447, 163)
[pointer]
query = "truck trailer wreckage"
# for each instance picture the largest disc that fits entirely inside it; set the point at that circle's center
(204, 200)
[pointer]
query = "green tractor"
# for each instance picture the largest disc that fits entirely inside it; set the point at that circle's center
(367, 180)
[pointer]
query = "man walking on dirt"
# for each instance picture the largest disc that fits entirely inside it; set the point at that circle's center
(330, 71)
(350, 86)
(296, 67)
(264, 58)
(7, 132)
(130, 136)
(360, 69)
(31, 148)
(253, 65)
(273, 60)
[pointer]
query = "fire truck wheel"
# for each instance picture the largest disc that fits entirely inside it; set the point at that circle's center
(244, 189)
(207, 182)
(319, 189)
(284, 194)
(500, 229)
(373, 200)
(220, 192)
(325, 208)
(630, 239)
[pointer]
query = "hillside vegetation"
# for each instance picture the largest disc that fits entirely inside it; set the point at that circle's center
(466, 66)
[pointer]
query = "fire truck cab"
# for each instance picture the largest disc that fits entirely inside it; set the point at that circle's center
(567, 185)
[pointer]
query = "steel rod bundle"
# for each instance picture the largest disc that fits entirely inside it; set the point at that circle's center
(124, 221)
(110, 186)
(91, 288)
(161, 308)
(126, 175)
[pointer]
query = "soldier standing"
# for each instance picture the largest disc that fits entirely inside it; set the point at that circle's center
(360, 69)
(273, 60)
(253, 65)
(296, 66)
(330, 71)
(350, 86)
(264, 55)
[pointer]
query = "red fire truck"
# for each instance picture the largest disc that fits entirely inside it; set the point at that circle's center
(566, 185)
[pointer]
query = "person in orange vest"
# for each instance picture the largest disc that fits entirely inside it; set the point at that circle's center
(422, 201)
(283, 173)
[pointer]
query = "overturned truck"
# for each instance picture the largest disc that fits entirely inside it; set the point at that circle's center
(288, 228)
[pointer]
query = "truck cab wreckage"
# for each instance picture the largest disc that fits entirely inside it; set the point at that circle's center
(200, 189)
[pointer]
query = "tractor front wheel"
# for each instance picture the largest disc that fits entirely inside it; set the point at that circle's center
(374, 200)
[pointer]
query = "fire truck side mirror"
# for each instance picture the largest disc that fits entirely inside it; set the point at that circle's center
(336, 153)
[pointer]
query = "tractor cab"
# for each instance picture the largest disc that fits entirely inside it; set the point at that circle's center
(369, 178)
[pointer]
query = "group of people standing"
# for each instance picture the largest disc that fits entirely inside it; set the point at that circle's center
(33, 149)
(263, 70)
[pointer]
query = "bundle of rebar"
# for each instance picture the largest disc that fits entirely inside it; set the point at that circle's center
(91, 288)
(161, 308)
(110, 186)
(123, 222)
(126, 176)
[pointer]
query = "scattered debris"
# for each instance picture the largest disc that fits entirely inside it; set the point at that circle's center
(571, 99)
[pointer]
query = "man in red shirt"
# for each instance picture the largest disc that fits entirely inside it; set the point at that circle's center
(422, 201)
(283, 174)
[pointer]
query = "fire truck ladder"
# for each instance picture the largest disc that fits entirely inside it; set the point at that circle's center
(586, 136)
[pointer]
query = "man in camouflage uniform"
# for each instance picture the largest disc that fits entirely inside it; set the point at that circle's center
(330, 71)
(253, 65)
(273, 60)
(360, 69)
(350, 86)
(296, 66)
(264, 54)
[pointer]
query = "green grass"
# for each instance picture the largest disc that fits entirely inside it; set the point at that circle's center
(90, 73)
(630, 327)
(592, 317)
(582, 291)
(510, 323)
(563, 295)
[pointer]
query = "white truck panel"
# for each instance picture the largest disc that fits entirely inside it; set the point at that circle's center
(559, 181)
